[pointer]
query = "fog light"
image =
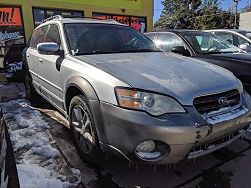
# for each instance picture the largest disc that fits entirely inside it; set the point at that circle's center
(146, 146)
(148, 155)
(152, 150)
(146, 150)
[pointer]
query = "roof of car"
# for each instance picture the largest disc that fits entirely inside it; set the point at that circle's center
(63, 20)
(234, 30)
(88, 20)
(176, 31)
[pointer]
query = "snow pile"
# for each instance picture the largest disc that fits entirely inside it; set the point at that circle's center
(35, 176)
(40, 164)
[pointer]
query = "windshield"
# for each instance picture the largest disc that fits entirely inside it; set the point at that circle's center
(246, 34)
(86, 38)
(207, 43)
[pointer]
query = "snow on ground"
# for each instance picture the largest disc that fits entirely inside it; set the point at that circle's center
(39, 163)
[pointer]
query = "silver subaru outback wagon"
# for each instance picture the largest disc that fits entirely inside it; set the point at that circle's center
(122, 94)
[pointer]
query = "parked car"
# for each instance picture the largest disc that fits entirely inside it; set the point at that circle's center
(8, 169)
(122, 94)
(207, 47)
(237, 37)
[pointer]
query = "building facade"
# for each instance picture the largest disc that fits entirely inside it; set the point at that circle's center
(18, 18)
(245, 23)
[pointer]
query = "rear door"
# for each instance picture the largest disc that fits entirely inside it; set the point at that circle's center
(49, 72)
(32, 55)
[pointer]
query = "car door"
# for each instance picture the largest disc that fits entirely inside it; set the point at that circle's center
(49, 72)
(32, 55)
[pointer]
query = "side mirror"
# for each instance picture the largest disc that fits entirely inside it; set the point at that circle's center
(48, 48)
(245, 47)
(180, 50)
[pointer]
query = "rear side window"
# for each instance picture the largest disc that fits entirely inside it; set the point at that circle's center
(38, 36)
(53, 34)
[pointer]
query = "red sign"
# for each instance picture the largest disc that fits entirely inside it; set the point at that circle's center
(10, 17)
(122, 19)
(135, 22)
(103, 17)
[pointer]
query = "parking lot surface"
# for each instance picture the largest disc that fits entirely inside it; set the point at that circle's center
(228, 167)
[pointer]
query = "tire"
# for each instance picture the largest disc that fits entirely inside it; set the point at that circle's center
(83, 129)
(31, 93)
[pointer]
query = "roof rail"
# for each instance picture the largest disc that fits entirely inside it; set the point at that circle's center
(74, 16)
(52, 18)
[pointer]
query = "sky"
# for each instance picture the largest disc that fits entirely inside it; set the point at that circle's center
(226, 4)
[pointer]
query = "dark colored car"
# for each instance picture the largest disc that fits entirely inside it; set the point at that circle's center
(207, 47)
(8, 170)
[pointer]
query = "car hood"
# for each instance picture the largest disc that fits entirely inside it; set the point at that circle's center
(180, 77)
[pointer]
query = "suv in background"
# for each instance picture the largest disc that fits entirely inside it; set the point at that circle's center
(122, 94)
(237, 37)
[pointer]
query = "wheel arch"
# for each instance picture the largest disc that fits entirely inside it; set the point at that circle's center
(77, 86)
(80, 86)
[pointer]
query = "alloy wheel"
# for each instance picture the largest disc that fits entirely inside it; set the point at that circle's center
(82, 129)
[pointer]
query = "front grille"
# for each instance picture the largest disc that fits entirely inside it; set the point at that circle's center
(213, 103)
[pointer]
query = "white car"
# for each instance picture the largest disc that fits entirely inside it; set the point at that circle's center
(237, 37)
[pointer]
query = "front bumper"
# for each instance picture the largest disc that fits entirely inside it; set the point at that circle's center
(124, 129)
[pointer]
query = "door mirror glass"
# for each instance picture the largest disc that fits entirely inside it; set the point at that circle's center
(180, 50)
(245, 47)
(48, 48)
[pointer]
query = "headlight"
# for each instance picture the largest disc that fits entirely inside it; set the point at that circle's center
(154, 104)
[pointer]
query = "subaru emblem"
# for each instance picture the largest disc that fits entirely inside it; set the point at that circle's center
(223, 101)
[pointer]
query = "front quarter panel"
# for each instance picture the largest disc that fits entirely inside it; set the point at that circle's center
(102, 83)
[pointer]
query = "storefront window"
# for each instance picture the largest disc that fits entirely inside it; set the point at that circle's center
(39, 14)
(12, 40)
(138, 23)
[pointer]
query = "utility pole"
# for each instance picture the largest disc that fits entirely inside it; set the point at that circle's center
(191, 8)
(236, 13)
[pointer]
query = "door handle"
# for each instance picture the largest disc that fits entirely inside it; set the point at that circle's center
(40, 60)
(28, 55)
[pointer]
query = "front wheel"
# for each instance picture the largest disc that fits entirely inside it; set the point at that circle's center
(83, 128)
